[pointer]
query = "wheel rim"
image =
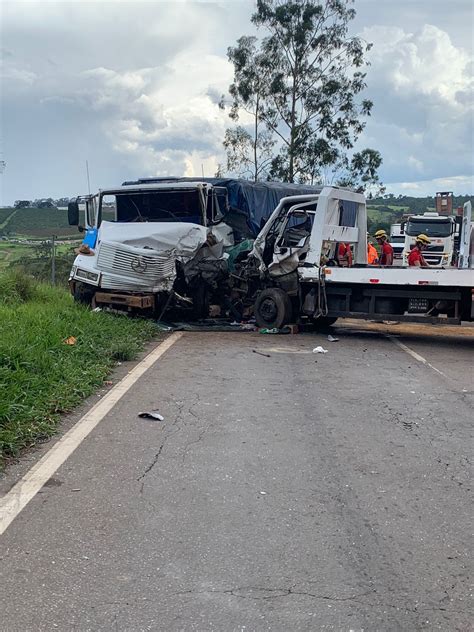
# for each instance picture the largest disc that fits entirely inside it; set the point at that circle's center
(268, 310)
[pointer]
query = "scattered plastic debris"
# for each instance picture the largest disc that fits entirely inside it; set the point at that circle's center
(263, 493)
(247, 327)
(332, 338)
(267, 355)
(108, 382)
(319, 350)
(275, 330)
(152, 414)
(97, 309)
(70, 341)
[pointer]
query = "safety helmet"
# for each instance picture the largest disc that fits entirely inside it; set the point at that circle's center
(424, 239)
(380, 233)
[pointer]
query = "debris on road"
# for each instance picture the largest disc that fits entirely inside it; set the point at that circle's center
(267, 355)
(275, 330)
(152, 414)
(332, 338)
(319, 350)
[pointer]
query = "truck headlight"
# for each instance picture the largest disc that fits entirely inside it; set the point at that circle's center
(86, 275)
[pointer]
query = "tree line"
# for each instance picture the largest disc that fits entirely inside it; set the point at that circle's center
(296, 98)
(42, 203)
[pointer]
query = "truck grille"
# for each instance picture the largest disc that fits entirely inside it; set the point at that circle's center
(132, 262)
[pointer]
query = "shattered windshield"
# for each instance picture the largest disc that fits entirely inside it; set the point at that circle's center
(155, 206)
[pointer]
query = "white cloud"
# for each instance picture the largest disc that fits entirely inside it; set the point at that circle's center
(458, 184)
(133, 88)
(422, 119)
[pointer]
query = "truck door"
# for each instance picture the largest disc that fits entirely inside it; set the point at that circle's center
(292, 242)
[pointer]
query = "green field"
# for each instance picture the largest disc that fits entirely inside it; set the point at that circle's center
(41, 376)
(36, 222)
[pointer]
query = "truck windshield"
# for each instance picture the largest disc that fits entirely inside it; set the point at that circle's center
(155, 206)
(430, 228)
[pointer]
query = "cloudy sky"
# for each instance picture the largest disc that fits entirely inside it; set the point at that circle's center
(132, 88)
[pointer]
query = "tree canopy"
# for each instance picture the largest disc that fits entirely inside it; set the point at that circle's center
(296, 96)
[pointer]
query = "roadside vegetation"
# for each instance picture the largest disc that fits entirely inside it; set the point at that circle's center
(41, 376)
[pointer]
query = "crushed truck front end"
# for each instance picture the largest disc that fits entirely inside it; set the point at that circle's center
(157, 243)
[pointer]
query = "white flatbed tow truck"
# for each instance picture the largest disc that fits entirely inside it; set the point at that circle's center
(295, 258)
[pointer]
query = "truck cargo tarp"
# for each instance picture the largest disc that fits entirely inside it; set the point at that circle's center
(255, 200)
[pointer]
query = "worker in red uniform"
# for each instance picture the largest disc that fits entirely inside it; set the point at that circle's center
(344, 255)
(372, 254)
(386, 250)
(415, 258)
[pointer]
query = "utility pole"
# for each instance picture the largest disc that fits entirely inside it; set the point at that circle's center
(53, 260)
(88, 179)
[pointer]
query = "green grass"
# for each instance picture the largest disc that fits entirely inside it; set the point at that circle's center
(41, 376)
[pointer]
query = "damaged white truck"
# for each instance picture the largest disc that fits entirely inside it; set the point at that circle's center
(292, 273)
(170, 243)
(158, 244)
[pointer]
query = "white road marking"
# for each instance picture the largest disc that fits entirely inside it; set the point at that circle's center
(414, 354)
(28, 486)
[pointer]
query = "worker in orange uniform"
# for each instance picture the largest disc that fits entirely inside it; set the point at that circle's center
(372, 254)
(344, 255)
(386, 250)
(415, 258)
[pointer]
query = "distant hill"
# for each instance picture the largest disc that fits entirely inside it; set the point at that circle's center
(36, 222)
(382, 212)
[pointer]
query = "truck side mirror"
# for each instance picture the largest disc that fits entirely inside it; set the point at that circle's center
(73, 213)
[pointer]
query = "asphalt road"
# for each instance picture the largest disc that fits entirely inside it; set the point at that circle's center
(292, 492)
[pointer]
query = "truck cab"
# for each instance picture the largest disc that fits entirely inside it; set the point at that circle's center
(145, 241)
(441, 229)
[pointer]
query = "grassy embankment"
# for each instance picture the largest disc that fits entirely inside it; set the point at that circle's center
(40, 375)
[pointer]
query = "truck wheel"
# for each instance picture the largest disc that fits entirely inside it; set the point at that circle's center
(272, 308)
(324, 322)
(83, 294)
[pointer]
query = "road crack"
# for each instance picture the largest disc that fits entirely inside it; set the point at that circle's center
(262, 593)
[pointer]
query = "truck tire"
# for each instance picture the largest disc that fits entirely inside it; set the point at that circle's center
(272, 308)
(324, 322)
(83, 293)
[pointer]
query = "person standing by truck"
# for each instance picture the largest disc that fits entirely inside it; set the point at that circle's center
(372, 254)
(386, 250)
(415, 258)
(344, 255)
